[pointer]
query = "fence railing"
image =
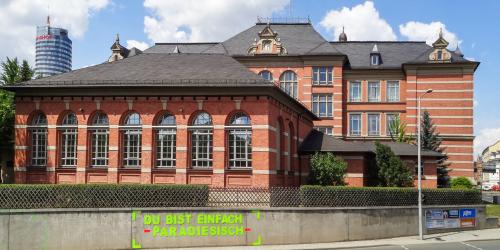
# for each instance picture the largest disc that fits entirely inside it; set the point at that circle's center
(109, 196)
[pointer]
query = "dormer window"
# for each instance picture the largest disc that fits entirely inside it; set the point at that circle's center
(266, 46)
(439, 55)
(375, 59)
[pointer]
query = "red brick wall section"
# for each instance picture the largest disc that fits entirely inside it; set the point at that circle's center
(263, 111)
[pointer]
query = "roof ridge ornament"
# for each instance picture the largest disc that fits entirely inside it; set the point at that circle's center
(342, 36)
(440, 43)
(268, 43)
(176, 50)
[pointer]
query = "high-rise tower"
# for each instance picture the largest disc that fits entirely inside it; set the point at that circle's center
(53, 50)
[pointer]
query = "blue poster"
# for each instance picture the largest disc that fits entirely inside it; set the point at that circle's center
(468, 213)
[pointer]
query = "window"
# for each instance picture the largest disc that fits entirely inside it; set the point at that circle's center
(322, 75)
(322, 105)
(131, 138)
(393, 91)
(240, 141)
(266, 75)
(68, 134)
(288, 83)
(374, 91)
(165, 130)
(325, 130)
(355, 124)
(266, 46)
(375, 59)
(355, 91)
(201, 141)
(389, 120)
(38, 131)
(373, 124)
(440, 55)
(99, 140)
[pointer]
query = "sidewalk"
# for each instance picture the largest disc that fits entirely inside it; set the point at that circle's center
(486, 234)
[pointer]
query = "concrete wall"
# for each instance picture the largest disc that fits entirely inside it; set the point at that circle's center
(126, 228)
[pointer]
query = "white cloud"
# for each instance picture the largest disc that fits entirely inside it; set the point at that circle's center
(362, 22)
(20, 18)
(204, 21)
(428, 32)
(485, 138)
(138, 44)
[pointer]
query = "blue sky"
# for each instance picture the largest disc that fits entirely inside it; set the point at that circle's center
(473, 24)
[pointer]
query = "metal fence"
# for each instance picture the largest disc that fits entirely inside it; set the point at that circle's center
(102, 196)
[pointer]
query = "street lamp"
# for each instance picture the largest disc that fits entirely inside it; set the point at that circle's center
(419, 163)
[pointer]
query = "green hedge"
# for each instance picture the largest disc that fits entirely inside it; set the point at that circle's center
(338, 196)
(102, 195)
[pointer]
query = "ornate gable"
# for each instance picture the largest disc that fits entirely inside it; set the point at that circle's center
(440, 54)
(268, 43)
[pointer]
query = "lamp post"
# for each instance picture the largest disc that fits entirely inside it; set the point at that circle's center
(419, 163)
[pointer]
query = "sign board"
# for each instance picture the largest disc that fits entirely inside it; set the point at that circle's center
(434, 224)
(468, 222)
(434, 214)
(451, 223)
(467, 213)
(451, 213)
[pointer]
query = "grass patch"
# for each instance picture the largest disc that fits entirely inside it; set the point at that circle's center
(493, 210)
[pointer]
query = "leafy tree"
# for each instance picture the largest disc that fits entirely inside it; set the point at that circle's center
(461, 182)
(11, 71)
(431, 141)
(327, 169)
(26, 72)
(397, 131)
(392, 171)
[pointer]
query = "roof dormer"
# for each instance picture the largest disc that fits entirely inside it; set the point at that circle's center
(268, 43)
(375, 58)
(440, 53)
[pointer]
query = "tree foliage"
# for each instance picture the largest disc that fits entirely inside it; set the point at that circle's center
(25, 72)
(11, 71)
(461, 182)
(392, 171)
(397, 131)
(431, 141)
(327, 169)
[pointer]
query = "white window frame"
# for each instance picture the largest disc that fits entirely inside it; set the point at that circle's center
(318, 71)
(289, 86)
(261, 74)
(317, 102)
(38, 136)
(370, 132)
(393, 85)
(236, 130)
(327, 130)
(132, 142)
(166, 140)
(360, 91)
(371, 88)
(387, 122)
(202, 150)
(99, 142)
(375, 59)
(351, 131)
(68, 135)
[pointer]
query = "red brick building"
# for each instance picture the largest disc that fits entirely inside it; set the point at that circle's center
(200, 112)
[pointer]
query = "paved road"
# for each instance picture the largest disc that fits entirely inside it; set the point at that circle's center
(470, 245)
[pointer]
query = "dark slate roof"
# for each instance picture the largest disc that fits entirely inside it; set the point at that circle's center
(154, 68)
(317, 141)
(297, 39)
(393, 54)
(424, 57)
(183, 48)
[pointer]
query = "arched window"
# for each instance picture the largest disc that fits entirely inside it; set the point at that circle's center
(38, 133)
(99, 140)
(68, 139)
(267, 75)
(288, 83)
(278, 145)
(201, 141)
(131, 140)
(165, 137)
(290, 147)
(240, 141)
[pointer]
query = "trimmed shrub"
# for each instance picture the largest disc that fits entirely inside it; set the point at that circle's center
(102, 195)
(323, 196)
(327, 169)
(461, 182)
(392, 171)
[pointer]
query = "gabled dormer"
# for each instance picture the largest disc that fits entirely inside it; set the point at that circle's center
(268, 43)
(375, 57)
(440, 53)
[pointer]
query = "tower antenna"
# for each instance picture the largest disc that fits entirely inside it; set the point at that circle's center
(48, 15)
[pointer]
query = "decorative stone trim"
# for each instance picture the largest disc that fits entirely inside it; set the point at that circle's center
(181, 148)
(263, 149)
(355, 175)
(145, 170)
(268, 172)
(218, 171)
(20, 169)
(51, 147)
(112, 169)
(181, 170)
(219, 149)
(50, 169)
(21, 147)
(81, 148)
(113, 148)
(146, 148)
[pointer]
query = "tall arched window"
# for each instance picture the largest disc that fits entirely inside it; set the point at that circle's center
(289, 82)
(165, 137)
(240, 141)
(267, 75)
(68, 139)
(38, 133)
(201, 141)
(99, 140)
(290, 147)
(131, 140)
(278, 145)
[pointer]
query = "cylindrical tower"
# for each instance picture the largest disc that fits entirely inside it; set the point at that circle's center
(53, 51)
